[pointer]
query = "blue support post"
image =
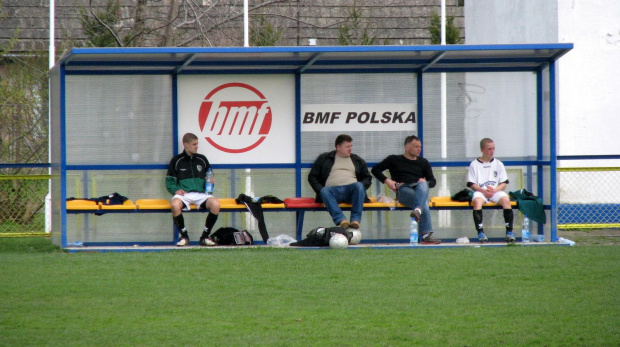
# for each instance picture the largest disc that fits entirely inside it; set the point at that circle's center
(297, 134)
(63, 160)
(539, 141)
(420, 120)
(175, 135)
(299, 216)
(553, 153)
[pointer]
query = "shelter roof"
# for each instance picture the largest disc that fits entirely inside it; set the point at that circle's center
(313, 59)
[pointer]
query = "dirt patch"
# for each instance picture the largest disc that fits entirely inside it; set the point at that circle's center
(592, 237)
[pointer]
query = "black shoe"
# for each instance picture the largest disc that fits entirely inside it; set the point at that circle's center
(428, 238)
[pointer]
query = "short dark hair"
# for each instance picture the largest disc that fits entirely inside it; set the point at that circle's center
(343, 138)
(484, 142)
(410, 138)
(189, 137)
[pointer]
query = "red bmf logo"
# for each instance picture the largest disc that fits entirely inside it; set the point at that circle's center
(232, 125)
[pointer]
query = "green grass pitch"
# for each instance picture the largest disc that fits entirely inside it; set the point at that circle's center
(505, 296)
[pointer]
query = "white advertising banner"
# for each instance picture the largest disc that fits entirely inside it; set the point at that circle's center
(358, 117)
(239, 119)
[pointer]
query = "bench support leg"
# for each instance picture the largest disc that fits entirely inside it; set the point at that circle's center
(299, 216)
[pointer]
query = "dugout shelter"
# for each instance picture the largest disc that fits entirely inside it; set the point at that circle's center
(263, 114)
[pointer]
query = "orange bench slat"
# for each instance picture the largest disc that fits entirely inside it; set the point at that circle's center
(82, 205)
(127, 205)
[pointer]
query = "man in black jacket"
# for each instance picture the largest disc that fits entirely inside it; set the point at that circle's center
(411, 178)
(341, 177)
(185, 180)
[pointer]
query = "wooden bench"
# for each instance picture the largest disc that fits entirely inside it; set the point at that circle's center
(299, 205)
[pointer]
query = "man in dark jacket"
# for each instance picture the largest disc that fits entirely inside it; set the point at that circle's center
(341, 177)
(185, 180)
(411, 179)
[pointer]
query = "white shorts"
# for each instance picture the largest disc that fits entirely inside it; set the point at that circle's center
(195, 198)
(495, 198)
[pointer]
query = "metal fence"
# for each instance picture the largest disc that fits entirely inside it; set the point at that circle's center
(22, 204)
(23, 168)
(588, 198)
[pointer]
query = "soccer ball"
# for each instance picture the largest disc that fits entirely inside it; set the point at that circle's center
(338, 241)
(356, 238)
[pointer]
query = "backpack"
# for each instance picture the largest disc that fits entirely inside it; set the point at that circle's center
(464, 195)
(319, 237)
(230, 236)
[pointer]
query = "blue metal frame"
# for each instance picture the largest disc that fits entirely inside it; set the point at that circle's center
(273, 60)
(539, 138)
(553, 154)
(298, 134)
(63, 159)
(420, 120)
(313, 60)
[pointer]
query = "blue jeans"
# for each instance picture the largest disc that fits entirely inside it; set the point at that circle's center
(417, 197)
(353, 194)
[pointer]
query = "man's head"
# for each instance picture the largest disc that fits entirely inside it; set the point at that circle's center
(344, 145)
(413, 147)
(190, 143)
(487, 147)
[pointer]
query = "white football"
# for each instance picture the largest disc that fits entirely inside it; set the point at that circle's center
(338, 241)
(356, 238)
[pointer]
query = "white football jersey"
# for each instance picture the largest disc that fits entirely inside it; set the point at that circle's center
(487, 174)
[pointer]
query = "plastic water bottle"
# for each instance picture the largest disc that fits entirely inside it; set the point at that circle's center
(566, 241)
(209, 182)
(525, 230)
(413, 233)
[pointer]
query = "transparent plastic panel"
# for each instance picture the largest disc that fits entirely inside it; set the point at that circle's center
(118, 119)
(546, 112)
(54, 133)
(501, 106)
(456, 104)
(357, 89)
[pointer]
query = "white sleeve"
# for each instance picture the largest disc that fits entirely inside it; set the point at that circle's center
(502, 175)
(471, 175)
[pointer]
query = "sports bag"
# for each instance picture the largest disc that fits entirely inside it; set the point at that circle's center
(464, 195)
(227, 236)
(319, 237)
(111, 199)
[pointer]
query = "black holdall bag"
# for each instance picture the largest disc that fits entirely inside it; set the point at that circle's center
(227, 236)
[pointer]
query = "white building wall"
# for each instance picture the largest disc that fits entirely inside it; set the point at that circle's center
(590, 77)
